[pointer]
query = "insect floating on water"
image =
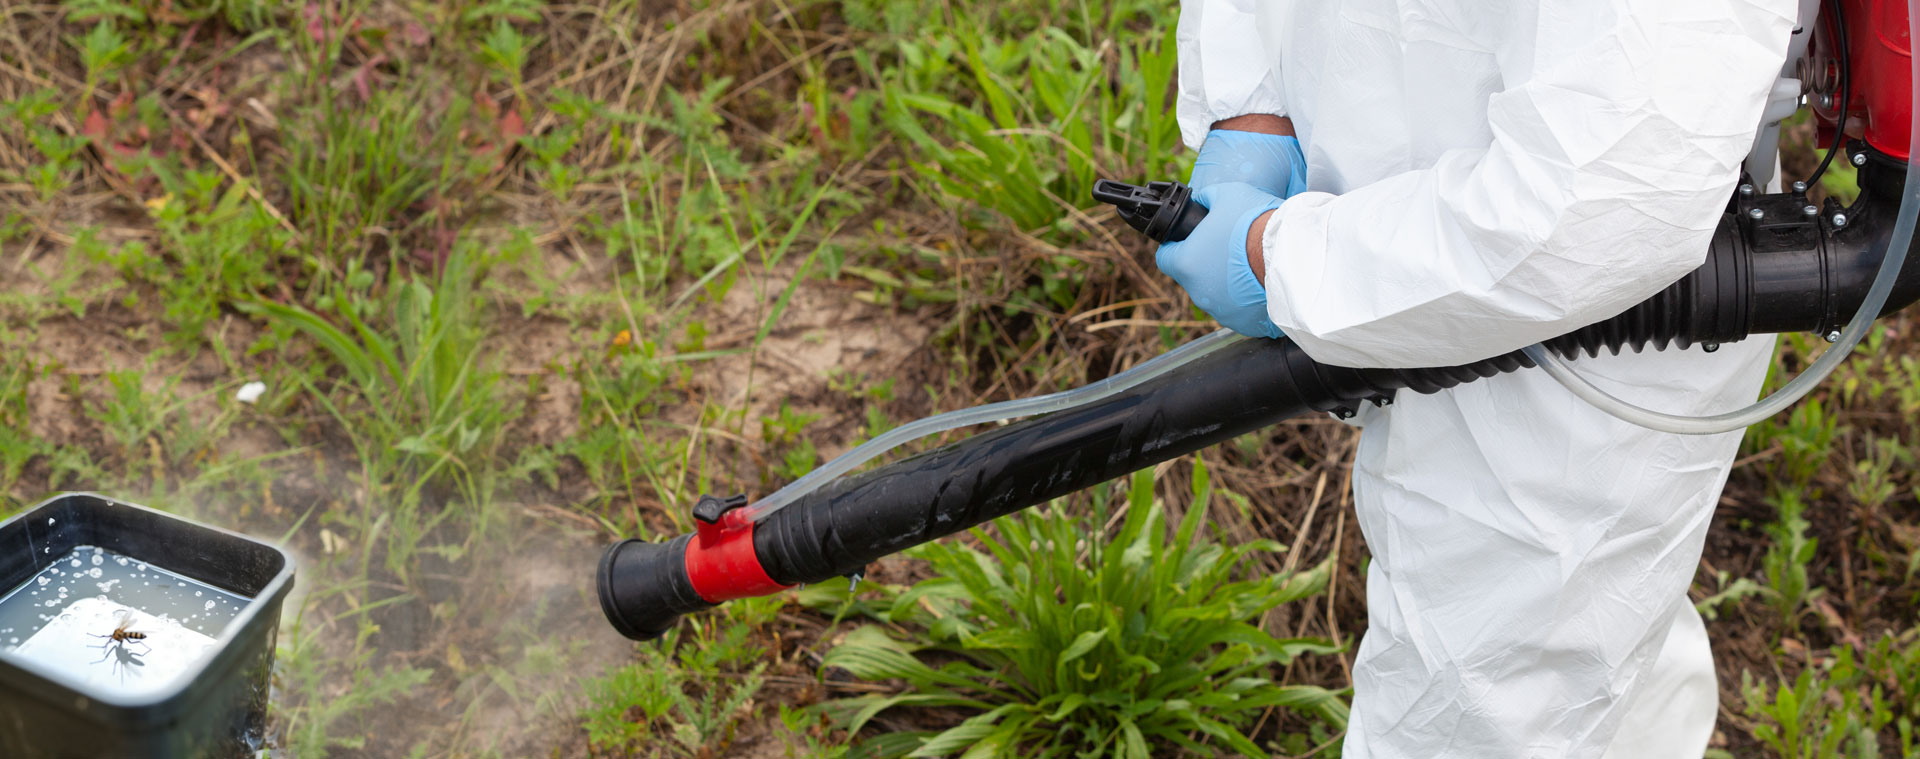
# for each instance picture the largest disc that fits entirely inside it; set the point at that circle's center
(121, 635)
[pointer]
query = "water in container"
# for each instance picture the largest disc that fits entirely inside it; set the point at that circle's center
(112, 623)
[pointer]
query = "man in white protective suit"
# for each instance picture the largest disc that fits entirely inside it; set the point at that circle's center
(1478, 176)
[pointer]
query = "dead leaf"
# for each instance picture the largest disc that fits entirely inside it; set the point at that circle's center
(361, 75)
(95, 126)
(512, 127)
(413, 33)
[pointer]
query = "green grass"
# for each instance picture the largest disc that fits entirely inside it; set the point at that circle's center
(431, 413)
(524, 277)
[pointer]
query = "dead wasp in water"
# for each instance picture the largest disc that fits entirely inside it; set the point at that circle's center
(121, 635)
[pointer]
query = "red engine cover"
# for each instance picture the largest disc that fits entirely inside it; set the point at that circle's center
(1880, 52)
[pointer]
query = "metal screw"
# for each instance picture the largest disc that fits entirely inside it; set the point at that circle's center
(1834, 336)
(1382, 401)
(1345, 413)
(1826, 101)
(1757, 214)
(1839, 220)
(1710, 347)
(1799, 186)
(1810, 210)
(1859, 159)
(1746, 189)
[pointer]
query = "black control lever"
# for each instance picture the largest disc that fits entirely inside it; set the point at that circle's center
(1165, 211)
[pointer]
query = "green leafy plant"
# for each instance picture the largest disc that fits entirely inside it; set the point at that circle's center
(505, 50)
(103, 52)
(1893, 663)
(129, 414)
(783, 433)
(1788, 555)
(29, 115)
(1842, 706)
(684, 698)
(214, 248)
(1730, 593)
(17, 445)
(1060, 645)
(1805, 441)
(1876, 478)
(94, 10)
(619, 394)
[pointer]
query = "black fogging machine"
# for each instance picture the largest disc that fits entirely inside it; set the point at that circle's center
(1778, 263)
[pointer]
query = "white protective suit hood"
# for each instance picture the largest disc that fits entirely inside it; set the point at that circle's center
(1483, 176)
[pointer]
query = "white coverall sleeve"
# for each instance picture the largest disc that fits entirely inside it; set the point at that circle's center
(1226, 68)
(1609, 166)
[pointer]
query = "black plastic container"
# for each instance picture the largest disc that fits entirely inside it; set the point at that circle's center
(218, 709)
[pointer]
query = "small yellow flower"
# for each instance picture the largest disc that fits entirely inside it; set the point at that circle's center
(622, 339)
(156, 205)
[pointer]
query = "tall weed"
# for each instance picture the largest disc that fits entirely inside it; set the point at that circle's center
(420, 399)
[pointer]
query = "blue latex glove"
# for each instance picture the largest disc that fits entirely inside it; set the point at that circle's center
(1269, 162)
(1212, 262)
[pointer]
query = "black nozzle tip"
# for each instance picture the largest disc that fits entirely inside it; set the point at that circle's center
(644, 587)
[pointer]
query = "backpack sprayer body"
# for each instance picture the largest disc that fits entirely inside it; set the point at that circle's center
(1778, 263)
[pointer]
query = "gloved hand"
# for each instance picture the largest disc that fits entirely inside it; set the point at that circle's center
(1269, 162)
(1212, 262)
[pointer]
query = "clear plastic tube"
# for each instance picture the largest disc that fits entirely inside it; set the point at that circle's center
(1830, 359)
(992, 412)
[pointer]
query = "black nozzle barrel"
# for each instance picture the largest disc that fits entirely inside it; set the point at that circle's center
(644, 587)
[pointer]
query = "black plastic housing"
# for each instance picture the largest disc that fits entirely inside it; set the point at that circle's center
(218, 711)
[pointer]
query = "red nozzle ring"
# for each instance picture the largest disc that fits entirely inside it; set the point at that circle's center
(721, 563)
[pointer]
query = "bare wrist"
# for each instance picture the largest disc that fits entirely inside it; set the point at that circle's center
(1262, 123)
